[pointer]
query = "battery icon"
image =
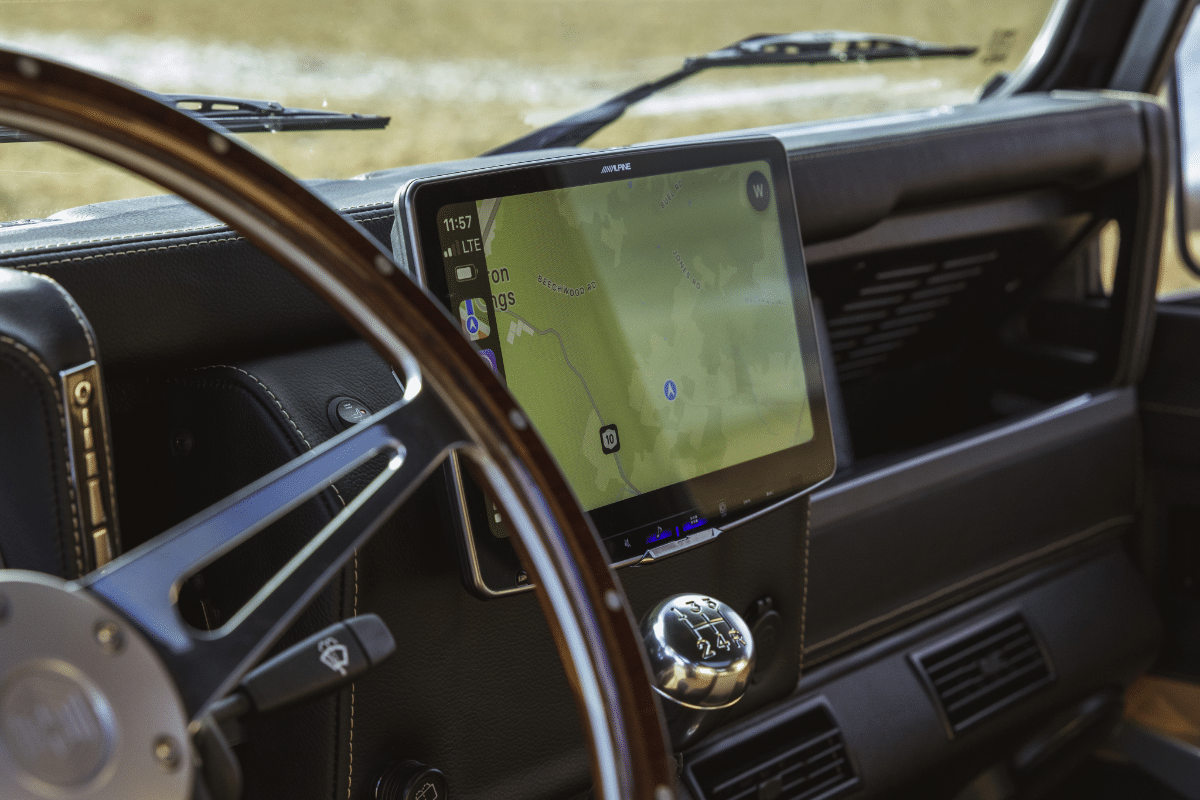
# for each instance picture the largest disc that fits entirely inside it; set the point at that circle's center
(465, 273)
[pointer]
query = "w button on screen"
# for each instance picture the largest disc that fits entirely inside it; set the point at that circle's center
(758, 191)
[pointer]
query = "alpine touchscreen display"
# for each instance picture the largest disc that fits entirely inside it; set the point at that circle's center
(650, 313)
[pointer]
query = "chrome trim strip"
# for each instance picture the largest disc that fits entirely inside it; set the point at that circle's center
(1050, 34)
(89, 465)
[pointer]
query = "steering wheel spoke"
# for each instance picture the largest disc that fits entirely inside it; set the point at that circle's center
(415, 435)
(463, 407)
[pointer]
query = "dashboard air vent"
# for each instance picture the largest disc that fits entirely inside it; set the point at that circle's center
(975, 675)
(800, 758)
(893, 305)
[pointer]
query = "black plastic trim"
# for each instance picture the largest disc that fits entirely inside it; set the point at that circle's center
(1094, 615)
(919, 661)
(956, 519)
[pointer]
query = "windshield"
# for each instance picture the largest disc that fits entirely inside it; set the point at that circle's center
(458, 79)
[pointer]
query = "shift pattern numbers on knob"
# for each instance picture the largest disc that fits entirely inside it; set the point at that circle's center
(713, 632)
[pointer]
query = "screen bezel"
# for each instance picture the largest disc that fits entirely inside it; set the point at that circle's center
(747, 488)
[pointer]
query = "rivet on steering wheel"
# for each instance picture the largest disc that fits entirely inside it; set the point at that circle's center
(218, 143)
(167, 753)
(108, 636)
(612, 600)
(28, 68)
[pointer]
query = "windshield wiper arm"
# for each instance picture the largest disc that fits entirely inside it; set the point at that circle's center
(238, 115)
(253, 116)
(803, 47)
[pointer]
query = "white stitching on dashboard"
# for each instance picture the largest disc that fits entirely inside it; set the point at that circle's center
(225, 238)
(804, 589)
(62, 420)
(282, 410)
(113, 238)
(98, 239)
(350, 765)
(296, 428)
(375, 219)
(229, 238)
(87, 330)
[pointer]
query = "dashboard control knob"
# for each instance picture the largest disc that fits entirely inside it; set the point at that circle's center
(346, 412)
(701, 658)
(411, 780)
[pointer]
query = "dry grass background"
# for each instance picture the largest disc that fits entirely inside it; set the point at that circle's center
(505, 65)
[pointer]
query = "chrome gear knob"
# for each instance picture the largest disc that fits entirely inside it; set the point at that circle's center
(701, 657)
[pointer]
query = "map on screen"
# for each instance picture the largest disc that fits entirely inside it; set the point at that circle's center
(647, 325)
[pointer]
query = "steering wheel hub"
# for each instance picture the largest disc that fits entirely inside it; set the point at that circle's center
(56, 725)
(85, 704)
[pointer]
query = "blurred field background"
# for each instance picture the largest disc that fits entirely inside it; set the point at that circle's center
(460, 77)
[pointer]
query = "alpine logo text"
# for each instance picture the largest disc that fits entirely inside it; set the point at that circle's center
(615, 168)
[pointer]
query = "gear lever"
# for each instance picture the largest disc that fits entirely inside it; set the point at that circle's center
(701, 657)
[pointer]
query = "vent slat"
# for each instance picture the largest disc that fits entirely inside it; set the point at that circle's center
(994, 686)
(982, 258)
(835, 747)
(954, 681)
(875, 349)
(949, 288)
(956, 654)
(742, 795)
(946, 277)
(976, 666)
(789, 792)
(910, 319)
(927, 305)
(976, 675)
(800, 758)
(854, 319)
(884, 288)
(878, 302)
(796, 755)
(898, 293)
(818, 773)
(887, 336)
(905, 272)
(845, 333)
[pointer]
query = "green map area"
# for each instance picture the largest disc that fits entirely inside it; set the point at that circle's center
(659, 305)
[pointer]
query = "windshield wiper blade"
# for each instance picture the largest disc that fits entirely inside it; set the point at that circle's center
(802, 47)
(238, 115)
(254, 116)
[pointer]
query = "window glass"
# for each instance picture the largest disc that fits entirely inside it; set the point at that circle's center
(460, 78)
(1174, 276)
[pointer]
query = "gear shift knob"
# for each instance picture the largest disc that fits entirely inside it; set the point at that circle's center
(701, 656)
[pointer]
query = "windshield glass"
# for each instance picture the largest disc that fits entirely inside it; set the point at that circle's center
(460, 78)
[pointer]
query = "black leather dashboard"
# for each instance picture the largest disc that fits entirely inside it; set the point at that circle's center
(1015, 489)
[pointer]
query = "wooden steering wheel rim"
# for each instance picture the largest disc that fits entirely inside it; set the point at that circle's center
(592, 624)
